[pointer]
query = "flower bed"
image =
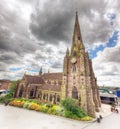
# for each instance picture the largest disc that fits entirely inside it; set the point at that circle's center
(47, 108)
(32, 105)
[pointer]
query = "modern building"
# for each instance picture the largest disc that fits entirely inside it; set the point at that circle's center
(108, 98)
(77, 80)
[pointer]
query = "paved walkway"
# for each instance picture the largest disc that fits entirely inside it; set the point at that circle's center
(17, 118)
(104, 110)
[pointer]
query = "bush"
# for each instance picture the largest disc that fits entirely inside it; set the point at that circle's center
(6, 99)
(72, 108)
(17, 103)
(34, 106)
(43, 108)
(26, 104)
(60, 110)
(69, 114)
(52, 110)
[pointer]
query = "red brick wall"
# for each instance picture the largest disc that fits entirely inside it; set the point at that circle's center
(4, 84)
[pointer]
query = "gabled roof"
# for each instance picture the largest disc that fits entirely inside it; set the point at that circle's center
(34, 79)
(4, 80)
(51, 87)
(52, 76)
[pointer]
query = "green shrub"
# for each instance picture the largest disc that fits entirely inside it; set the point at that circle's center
(49, 105)
(6, 99)
(60, 110)
(71, 108)
(26, 104)
(52, 110)
(43, 108)
(69, 114)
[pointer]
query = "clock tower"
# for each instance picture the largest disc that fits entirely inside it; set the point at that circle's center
(79, 81)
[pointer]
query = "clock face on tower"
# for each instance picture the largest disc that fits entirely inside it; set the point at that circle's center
(73, 60)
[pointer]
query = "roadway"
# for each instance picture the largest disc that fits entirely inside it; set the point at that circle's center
(17, 118)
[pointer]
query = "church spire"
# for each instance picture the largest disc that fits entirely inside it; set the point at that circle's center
(40, 72)
(67, 52)
(77, 44)
(77, 33)
(48, 70)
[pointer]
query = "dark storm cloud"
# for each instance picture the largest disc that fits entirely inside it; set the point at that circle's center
(52, 28)
(9, 58)
(55, 22)
(18, 44)
(14, 34)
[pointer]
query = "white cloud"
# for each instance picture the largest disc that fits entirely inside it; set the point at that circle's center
(106, 66)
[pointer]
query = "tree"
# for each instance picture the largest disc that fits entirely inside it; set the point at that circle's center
(13, 87)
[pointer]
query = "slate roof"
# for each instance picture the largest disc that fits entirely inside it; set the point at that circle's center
(51, 87)
(52, 76)
(40, 80)
(34, 79)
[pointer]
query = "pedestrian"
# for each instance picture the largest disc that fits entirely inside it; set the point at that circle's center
(100, 117)
(116, 110)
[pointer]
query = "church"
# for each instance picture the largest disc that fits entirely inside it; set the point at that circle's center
(77, 80)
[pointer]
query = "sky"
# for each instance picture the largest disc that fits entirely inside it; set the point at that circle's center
(35, 33)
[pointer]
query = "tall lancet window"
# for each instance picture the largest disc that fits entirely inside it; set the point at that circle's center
(74, 93)
(74, 69)
(74, 53)
(78, 37)
(31, 92)
(21, 91)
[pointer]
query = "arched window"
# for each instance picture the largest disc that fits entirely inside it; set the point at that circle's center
(50, 98)
(44, 96)
(74, 68)
(55, 82)
(74, 53)
(58, 98)
(74, 93)
(47, 97)
(40, 95)
(31, 92)
(21, 91)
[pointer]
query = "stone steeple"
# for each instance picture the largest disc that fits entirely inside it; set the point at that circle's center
(67, 52)
(77, 33)
(40, 72)
(48, 70)
(77, 43)
(78, 79)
